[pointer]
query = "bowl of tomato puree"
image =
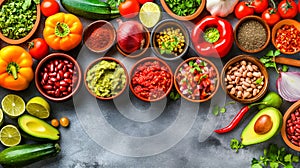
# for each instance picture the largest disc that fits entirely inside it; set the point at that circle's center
(99, 36)
(196, 79)
(286, 36)
(151, 79)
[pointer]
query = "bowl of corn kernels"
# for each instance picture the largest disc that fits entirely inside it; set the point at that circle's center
(169, 40)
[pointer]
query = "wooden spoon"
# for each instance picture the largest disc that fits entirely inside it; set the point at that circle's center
(287, 61)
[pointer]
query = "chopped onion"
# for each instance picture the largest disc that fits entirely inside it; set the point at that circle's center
(287, 85)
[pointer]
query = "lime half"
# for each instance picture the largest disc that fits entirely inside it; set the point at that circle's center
(150, 14)
(1, 117)
(39, 107)
(10, 135)
(13, 105)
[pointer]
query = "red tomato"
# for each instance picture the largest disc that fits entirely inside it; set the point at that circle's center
(271, 16)
(243, 9)
(144, 1)
(38, 48)
(129, 8)
(287, 9)
(260, 5)
(49, 7)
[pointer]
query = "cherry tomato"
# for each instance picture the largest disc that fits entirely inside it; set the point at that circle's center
(38, 48)
(271, 16)
(49, 7)
(243, 9)
(144, 1)
(129, 8)
(260, 5)
(64, 121)
(287, 9)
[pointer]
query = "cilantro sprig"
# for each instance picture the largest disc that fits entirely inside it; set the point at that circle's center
(217, 109)
(275, 157)
(269, 60)
(236, 145)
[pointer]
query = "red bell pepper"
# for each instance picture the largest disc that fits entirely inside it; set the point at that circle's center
(212, 37)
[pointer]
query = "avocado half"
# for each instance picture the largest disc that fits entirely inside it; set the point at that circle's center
(37, 128)
(249, 136)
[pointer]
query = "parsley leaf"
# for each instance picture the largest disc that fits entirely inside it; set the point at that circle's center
(236, 145)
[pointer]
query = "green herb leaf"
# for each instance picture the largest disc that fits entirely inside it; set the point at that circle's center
(288, 158)
(295, 159)
(26, 4)
(270, 53)
(191, 63)
(256, 165)
(285, 68)
(270, 64)
(259, 80)
(215, 110)
(276, 53)
(274, 164)
(265, 60)
(223, 110)
(235, 145)
(36, 2)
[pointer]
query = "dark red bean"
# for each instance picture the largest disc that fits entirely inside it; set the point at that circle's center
(71, 70)
(58, 77)
(65, 93)
(57, 93)
(45, 76)
(293, 116)
(68, 80)
(52, 67)
(56, 62)
(63, 83)
(69, 89)
(70, 66)
(297, 114)
(62, 88)
(294, 142)
(297, 130)
(292, 130)
(289, 121)
(65, 68)
(67, 74)
(45, 69)
(297, 126)
(294, 138)
(47, 87)
(53, 74)
(53, 79)
(60, 65)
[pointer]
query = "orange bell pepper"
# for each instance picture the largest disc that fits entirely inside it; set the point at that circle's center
(63, 31)
(15, 68)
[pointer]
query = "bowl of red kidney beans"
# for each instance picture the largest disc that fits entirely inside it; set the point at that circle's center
(58, 76)
(151, 79)
(290, 130)
(196, 79)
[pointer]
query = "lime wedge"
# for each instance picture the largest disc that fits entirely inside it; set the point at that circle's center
(1, 117)
(13, 105)
(39, 107)
(150, 14)
(10, 135)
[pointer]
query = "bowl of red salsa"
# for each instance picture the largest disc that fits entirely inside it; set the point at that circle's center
(196, 79)
(151, 79)
(99, 36)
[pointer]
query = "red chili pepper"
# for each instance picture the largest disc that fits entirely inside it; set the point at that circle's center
(212, 37)
(235, 121)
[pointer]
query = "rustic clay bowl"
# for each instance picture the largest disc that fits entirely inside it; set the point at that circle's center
(168, 23)
(139, 52)
(286, 117)
(41, 66)
(111, 32)
(216, 85)
(279, 25)
(97, 61)
(189, 17)
(21, 40)
(265, 25)
(254, 61)
(150, 59)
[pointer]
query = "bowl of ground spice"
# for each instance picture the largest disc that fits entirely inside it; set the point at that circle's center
(99, 36)
(286, 36)
(252, 34)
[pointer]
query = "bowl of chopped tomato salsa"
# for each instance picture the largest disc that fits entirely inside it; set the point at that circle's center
(196, 79)
(151, 79)
(286, 36)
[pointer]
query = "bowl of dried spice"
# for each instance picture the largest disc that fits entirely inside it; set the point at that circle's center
(286, 36)
(99, 36)
(252, 34)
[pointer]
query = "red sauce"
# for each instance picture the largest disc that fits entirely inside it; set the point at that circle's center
(288, 38)
(99, 38)
(151, 80)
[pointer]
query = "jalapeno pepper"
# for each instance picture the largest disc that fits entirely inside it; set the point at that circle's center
(212, 37)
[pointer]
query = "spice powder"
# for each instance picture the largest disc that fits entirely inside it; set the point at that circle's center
(100, 38)
(251, 35)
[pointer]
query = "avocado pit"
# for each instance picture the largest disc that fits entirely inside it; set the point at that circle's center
(263, 124)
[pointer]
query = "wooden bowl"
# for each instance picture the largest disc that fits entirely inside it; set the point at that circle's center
(278, 26)
(108, 32)
(189, 17)
(286, 117)
(262, 22)
(168, 23)
(261, 68)
(21, 40)
(216, 84)
(97, 61)
(39, 78)
(139, 52)
(134, 69)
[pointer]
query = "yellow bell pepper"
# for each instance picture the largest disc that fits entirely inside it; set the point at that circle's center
(63, 31)
(15, 68)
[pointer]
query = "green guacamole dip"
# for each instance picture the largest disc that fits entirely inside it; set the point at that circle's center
(106, 78)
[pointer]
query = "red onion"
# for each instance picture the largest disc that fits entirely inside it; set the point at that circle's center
(130, 36)
(287, 85)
